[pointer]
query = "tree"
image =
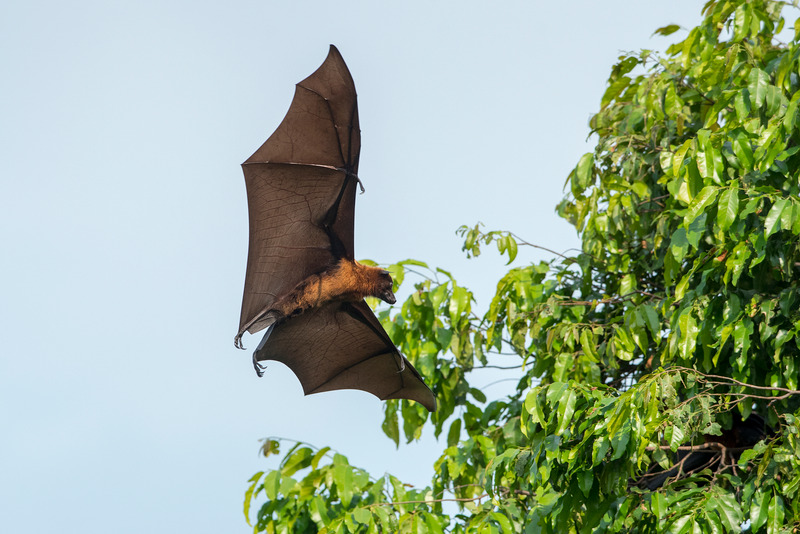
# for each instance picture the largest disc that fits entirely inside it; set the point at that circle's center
(659, 387)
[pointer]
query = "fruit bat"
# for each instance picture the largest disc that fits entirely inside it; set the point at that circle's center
(302, 282)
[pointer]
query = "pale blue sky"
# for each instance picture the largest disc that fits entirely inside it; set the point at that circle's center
(124, 405)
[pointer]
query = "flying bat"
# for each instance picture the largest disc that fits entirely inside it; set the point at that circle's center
(302, 282)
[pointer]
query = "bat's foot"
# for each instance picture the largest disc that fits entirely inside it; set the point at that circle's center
(237, 342)
(258, 367)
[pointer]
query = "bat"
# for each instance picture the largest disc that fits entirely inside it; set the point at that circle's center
(302, 282)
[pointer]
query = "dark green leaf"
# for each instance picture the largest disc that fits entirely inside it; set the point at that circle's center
(773, 221)
(454, 434)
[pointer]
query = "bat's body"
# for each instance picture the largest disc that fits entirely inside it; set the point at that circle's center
(346, 281)
(302, 280)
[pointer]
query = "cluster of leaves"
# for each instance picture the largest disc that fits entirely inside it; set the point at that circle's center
(334, 496)
(677, 320)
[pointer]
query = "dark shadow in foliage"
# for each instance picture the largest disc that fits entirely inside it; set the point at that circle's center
(717, 453)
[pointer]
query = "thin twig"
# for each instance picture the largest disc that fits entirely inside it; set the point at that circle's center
(455, 499)
(523, 242)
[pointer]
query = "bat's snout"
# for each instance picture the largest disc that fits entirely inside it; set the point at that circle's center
(388, 296)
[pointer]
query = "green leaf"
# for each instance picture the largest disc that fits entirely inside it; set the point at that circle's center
(362, 515)
(477, 394)
(658, 503)
(759, 509)
(294, 462)
(566, 407)
(320, 454)
(415, 263)
(672, 102)
(688, 331)
(679, 244)
(741, 22)
(454, 434)
(651, 318)
(773, 221)
(391, 425)
(758, 81)
(741, 104)
(585, 481)
(343, 478)
(458, 303)
(614, 90)
(432, 525)
(682, 286)
(735, 262)
(272, 483)
(667, 30)
(790, 116)
(680, 155)
(729, 511)
(741, 337)
(584, 170)
(248, 496)
(775, 515)
(774, 99)
(728, 207)
(743, 151)
(675, 436)
(288, 486)
(507, 244)
(705, 197)
(505, 524)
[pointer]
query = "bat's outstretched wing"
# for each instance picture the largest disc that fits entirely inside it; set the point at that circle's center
(342, 345)
(301, 188)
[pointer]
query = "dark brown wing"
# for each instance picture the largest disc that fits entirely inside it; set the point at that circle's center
(301, 188)
(342, 345)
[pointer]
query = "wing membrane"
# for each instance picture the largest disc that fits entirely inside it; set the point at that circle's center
(343, 346)
(301, 190)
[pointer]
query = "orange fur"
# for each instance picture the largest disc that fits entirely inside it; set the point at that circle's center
(346, 281)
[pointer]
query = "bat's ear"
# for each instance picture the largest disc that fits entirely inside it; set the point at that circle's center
(384, 271)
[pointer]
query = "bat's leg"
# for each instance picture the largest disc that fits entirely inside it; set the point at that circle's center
(257, 366)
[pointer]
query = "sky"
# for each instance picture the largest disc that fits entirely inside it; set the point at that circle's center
(123, 222)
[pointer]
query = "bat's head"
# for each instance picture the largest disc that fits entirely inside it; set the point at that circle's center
(385, 287)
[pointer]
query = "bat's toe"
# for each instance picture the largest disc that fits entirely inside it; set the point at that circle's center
(258, 367)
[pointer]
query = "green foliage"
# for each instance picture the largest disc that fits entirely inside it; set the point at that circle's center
(677, 320)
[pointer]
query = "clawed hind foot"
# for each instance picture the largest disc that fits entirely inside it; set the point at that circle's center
(257, 366)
